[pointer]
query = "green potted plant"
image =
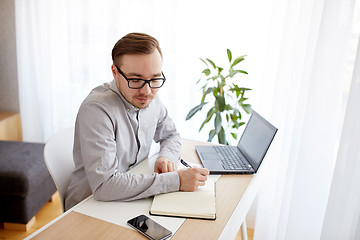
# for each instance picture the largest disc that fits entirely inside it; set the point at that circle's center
(228, 99)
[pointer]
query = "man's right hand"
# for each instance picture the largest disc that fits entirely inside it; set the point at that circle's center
(191, 178)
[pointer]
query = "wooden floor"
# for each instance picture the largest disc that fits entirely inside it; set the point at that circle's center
(50, 211)
(250, 233)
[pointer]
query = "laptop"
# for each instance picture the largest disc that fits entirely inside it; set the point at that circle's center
(246, 157)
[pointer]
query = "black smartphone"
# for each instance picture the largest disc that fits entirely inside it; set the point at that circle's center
(149, 228)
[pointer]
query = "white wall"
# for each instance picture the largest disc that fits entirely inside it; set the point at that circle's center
(9, 97)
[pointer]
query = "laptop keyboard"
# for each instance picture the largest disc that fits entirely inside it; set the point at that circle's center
(230, 158)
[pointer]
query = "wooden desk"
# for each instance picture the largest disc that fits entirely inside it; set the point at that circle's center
(234, 196)
(10, 126)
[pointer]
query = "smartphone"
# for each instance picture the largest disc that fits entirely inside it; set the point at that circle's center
(149, 228)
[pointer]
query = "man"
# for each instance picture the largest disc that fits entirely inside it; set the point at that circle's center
(115, 126)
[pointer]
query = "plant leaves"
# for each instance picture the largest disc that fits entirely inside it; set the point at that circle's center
(217, 86)
(206, 71)
(247, 108)
(234, 135)
(233, 116)
(241, 71)
(221, 136)
(239, 115)
(220, 70)
(236, 61)
(217, 123)
(211, 135)
(208, 117)
(229, 55)
(203, 98)
(204, 61)
(239, 89)
(237, 125)
(228, 107)
(194, 110)
(232, 72)
(216, 77)
(204, 94)
(212, 63)
(209, 90)
(220, 102)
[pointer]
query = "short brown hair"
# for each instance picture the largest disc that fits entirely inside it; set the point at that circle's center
(135, 43)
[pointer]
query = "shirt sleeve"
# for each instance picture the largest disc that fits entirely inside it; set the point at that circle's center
(167, 135)
(99, 155)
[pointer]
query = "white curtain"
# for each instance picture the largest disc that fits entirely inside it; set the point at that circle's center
(64, 50)
(342, 213)
(309, 46)
(298, 68)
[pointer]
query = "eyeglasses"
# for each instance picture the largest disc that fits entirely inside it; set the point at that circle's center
(137, 83)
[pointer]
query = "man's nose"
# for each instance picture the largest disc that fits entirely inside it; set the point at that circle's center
(145, 89)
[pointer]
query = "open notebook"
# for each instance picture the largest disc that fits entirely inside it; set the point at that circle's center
(197, 204)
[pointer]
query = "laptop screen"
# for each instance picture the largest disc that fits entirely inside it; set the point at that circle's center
(256, 139)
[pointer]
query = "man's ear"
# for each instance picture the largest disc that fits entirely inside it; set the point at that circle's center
(113, 70)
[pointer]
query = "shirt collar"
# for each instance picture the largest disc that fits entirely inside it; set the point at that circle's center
(132, 110)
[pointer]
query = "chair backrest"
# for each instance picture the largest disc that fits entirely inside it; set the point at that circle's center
(58, 157)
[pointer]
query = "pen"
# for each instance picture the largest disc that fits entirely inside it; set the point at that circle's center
(185, 163)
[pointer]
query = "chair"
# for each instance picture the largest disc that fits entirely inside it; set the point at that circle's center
(25, 183)
(59, 160)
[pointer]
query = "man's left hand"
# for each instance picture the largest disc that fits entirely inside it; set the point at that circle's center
(164, 165)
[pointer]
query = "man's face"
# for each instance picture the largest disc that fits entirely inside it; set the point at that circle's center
(144, 66)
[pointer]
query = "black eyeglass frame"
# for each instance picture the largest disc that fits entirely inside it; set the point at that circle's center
(139, 79)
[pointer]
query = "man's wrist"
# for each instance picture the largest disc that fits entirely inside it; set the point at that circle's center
(172, 180)
(171, 157)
